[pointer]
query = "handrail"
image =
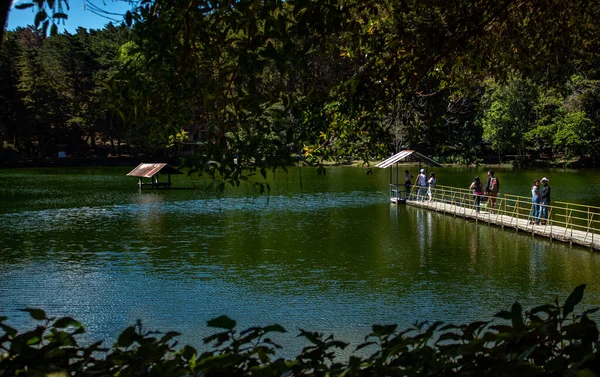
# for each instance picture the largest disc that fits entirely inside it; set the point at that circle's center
(579, 205)
(571, 216)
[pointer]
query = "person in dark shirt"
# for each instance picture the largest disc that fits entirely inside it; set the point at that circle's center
(407, 182)
(544, 201)
(492, 187)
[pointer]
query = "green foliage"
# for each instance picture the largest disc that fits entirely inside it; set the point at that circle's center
(548, 340)
(330, 79)
(510, 115)
(574, 134)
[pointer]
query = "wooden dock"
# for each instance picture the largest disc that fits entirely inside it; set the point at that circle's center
(574, 235)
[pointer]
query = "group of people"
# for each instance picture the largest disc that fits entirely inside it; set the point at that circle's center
(540, 199)
(540, 196)
(490, 191)
(422, 184)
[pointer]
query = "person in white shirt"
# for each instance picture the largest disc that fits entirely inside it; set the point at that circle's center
(421, 183)
(431, 187)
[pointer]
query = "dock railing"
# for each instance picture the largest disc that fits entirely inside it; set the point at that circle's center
(398, 191)
(570, 216)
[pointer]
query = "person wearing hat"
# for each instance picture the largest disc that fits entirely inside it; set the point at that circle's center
(421, 183)
(544, 201)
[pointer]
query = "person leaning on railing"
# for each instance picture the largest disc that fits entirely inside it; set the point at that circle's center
(431, 187)
(544, 201)
(535, 202)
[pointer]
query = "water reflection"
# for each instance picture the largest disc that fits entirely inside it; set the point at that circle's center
(332, 261)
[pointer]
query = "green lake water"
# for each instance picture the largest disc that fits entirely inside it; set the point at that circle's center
(323, 253)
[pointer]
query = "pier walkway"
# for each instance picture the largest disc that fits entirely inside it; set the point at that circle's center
(567, 222)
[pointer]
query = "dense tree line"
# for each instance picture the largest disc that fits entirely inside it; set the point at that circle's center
(325, 80)
(54, 94)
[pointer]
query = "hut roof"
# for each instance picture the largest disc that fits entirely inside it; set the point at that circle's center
(407, 156)
(145, 170)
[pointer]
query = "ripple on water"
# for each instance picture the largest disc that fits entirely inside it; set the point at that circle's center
(72, 218)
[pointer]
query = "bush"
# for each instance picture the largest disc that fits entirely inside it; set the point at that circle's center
(548, 340)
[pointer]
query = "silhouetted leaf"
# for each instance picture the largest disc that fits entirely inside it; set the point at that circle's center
(66, 321)
(126, 338)
(503, 314)
(274, 328)
(573, 299)
(24, 6)
(383, 330)
(222, 322)
(36, 314)
(39, 17)
(517, 316)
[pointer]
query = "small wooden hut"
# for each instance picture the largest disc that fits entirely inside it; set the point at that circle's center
(152, 171)
(398, 193)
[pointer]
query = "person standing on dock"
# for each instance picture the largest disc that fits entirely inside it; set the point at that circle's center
(477, 188)
(535, 202)
(431, 187)
(492, 187)
(421, 183)
(407, 182)
(544, 201)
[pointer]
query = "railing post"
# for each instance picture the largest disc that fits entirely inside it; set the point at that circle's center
(516, 216)
(549, 222)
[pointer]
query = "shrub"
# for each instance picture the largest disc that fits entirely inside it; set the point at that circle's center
(548, 340)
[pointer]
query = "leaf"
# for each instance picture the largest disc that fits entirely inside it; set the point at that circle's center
(222, 322)
(60, 15)
(24, 6)
(547, 308)
(503, 314)
(573, 299)
(170, 335)
(126, 337)
(39, 17)
(449, 336)
(188, 352)
(37, 314)
(128, 18)
(363, 345)
(66, 321)
(517, 316)
(53, 29)
(274, 328)
(383, 330)
(8, 330)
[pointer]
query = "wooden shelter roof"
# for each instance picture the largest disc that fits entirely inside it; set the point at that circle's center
(407, 156)
(146, 170)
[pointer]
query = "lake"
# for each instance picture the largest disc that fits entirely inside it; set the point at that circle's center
(322, 253)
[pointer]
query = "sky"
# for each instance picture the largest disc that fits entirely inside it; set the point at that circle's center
(80, 14)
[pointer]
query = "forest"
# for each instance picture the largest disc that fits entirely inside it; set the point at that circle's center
(272, 82)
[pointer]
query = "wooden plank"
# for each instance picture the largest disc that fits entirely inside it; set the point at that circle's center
(571, 236)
